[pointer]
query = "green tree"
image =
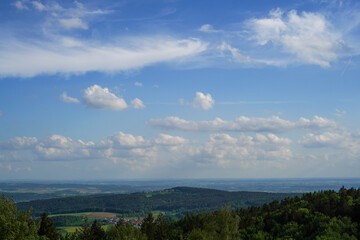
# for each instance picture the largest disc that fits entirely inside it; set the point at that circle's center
(148, 226)
(83, 233)
(96, 231)
(47, 228)
(16, 225)
(125, 232)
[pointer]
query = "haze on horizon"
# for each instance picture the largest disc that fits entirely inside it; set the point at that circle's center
(179, 89)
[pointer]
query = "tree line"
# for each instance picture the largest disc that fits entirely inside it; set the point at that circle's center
(182, 200)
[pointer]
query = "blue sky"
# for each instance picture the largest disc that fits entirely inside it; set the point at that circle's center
(179, 89)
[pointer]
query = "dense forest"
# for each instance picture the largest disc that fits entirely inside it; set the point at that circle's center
(180, 200)
(319, 215)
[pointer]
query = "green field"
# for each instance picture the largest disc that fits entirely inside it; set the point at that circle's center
(73, 229)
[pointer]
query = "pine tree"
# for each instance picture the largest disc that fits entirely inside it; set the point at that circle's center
(148, 226)
(47, 228)
(16, 225)
(96, 232)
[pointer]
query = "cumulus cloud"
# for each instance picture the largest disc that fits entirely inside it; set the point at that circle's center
(165, 139)
(309, 36)
(17, 57)
(225, 150)
(137, 104)
(123, 140)
(203, 101)
(343, 144)
(101, 98)
(327, 139)
(243, 124)
(57, 147)
(136, 151)
(138, 84)
(19, 143)
(65, 98)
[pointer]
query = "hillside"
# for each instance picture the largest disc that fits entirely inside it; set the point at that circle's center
(313, 216)
(179, 201)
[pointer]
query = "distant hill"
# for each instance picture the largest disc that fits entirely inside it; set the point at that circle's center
(178, 201)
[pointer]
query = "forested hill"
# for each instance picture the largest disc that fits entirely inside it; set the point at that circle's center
(179, 201)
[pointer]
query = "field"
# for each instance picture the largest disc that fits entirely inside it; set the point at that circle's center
(73, 229)
(22, 192)
(89, 215)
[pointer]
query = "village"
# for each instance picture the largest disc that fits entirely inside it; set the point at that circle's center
(114, 220)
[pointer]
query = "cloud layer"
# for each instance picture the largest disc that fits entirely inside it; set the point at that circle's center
(243, 124)
(220, 149)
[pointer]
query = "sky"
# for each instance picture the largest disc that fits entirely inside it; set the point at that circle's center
(179, 89)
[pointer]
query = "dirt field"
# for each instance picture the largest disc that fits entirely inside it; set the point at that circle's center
(101, 215)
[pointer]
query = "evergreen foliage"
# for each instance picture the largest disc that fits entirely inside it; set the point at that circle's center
(47, 228)
(14, 224)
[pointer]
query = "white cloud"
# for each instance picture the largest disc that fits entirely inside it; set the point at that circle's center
(30, 5)
(343, 144)
(203, 101)
(164, 139)
(101, 98)
(138, 84)
(207, 28)
(38, 5)
(308, 36)
(327, 139)
(123, 140)
(20, 5)
(340, 113)
(18, 58)
(135, 151)
(243, 124)
(227, 151)
(65, 98)
(57, 147)
(224, 150)
(70, 23)
(137, 104)
(138, 152)
(235, 53)
(19, 143)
